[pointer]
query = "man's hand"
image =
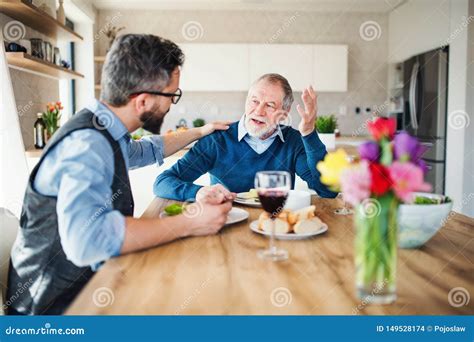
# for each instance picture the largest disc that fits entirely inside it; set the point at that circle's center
(178, 140)
(215, 194)
(214, 126)
(209, 212)
(308, 115)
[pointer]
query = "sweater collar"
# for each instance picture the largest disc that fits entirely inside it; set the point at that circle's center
(242, 131)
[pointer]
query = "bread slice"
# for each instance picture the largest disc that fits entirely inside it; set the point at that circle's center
(305, 226)
(281, 226)
(301, 214)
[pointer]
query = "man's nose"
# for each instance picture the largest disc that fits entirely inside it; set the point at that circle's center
(260, 110)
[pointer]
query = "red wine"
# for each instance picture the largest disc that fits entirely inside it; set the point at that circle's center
(273, 201)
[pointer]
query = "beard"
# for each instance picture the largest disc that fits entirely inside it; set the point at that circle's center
(259, 130)
(152, 121)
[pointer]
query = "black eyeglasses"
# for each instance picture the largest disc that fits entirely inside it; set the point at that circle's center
(174, 96)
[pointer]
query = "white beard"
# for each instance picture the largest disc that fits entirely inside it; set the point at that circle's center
(258, 132)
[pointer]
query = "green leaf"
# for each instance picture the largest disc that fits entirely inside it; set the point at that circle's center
(326, 124)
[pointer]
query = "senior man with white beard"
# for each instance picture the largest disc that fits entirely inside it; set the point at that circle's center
(255, 143)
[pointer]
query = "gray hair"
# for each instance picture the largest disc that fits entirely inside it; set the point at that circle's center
(285, 86)
(138, 62)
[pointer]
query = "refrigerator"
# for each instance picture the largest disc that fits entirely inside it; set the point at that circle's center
(425, 93)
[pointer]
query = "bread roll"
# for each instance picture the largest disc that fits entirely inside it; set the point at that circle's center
(281, 226)
(308, 225)
(301, 214)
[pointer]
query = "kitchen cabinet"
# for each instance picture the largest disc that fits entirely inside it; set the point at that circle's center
(294, 61)
(330, 68)
(232, 67)
(215, 67)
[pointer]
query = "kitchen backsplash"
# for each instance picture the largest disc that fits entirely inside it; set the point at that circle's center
(367, 55)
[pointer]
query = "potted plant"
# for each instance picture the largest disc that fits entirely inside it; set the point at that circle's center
(51, 118)
(389, 172)
(326, 126)
(199, 122)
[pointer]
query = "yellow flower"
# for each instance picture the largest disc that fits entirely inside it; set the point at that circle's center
(332, 167)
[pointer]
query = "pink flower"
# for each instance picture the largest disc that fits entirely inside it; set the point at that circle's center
(407, 178)
(355, 183)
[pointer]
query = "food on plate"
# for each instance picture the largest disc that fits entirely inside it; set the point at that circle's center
(300, 221)
(301, 214)
(281, 226)
(251, 194)
(431, 200)
(174, 209)
(308, 225)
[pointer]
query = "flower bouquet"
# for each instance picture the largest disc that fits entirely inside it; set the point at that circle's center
(389, 170)
(51, 117)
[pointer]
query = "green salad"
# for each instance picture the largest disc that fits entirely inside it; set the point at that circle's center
(174, 209)
(430, 200)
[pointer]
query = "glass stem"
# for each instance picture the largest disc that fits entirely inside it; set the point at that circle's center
(272, 236)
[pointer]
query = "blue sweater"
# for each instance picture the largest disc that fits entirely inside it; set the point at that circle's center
(234, 163)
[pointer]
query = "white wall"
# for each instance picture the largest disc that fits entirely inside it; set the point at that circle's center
(422, 25)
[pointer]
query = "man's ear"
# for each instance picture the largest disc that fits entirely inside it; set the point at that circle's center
(140, 103)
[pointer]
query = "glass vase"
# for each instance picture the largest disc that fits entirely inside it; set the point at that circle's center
(376, 249)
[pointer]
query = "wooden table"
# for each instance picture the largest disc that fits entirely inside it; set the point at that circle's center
(221, 274)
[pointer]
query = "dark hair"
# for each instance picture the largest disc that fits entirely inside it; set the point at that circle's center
(138, 62)
(285, 85)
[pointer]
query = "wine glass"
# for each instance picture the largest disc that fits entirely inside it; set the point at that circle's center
(345, 210)
(272, 188)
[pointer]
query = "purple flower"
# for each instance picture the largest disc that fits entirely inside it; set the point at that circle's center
(369, 151)
(408, 148)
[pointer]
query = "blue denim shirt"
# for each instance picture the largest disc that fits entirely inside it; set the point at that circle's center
(79, 172)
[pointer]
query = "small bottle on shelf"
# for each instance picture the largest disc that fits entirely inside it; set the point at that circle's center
(39, 132)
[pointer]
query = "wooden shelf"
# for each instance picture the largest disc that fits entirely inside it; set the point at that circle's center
(99, 59)
(26, 62)
(32, 16)
(33, 153)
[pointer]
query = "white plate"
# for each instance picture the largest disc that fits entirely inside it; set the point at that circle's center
(289, 236)
(235, 215)
(248, 202)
